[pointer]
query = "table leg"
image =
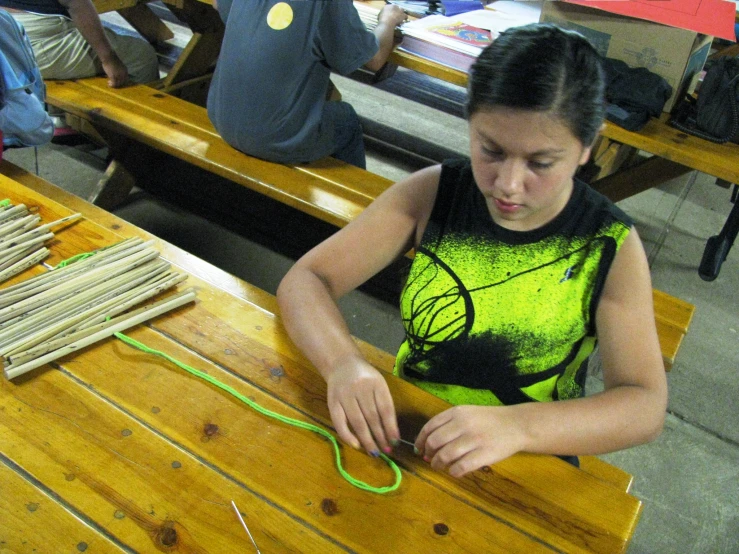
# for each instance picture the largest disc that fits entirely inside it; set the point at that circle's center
(718, 246)
(201, 53)
(145, 21)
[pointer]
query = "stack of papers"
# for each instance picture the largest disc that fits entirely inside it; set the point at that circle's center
(457, 41)
(451, 32)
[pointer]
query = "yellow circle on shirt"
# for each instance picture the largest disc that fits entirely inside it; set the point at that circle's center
(280, 16)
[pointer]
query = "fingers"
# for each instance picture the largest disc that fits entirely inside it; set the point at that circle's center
(388, 418)
(338, 416)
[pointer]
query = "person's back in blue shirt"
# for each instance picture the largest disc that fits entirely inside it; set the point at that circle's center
(268, 94)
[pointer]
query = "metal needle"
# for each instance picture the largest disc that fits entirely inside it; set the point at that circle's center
(245, 527)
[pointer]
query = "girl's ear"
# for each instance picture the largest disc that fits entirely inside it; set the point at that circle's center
(585, 156)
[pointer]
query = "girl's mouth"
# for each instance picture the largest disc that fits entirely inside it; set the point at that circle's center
(506, 207)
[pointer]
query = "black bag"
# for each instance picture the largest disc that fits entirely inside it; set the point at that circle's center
(714, 115)
(633, 94)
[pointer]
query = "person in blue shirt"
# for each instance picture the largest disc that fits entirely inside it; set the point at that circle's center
(268, 96)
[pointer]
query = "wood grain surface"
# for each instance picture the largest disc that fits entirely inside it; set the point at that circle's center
(123, 451)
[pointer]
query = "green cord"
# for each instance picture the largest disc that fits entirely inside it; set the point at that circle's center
(84, 255)
(290, 421)
(5, 202)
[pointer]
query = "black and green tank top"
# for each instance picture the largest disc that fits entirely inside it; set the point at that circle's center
(494, 316)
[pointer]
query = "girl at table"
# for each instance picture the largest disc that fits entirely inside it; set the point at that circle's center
(519, 268)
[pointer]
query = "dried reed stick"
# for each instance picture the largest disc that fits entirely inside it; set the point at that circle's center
(114, 326)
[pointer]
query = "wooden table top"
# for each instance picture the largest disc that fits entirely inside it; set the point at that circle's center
(115, 450)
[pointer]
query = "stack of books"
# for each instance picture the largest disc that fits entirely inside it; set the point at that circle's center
(368, 13)
(448, 41)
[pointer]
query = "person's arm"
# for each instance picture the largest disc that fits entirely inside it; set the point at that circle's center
(87, 21)
(390, 17)
(358, 397)
(630, 411)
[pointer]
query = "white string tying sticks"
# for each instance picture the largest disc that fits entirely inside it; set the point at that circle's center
(241, 519)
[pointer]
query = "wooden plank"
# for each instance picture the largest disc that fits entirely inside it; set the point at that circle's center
(673, 310)
(32, 521)
(670, 339)
(658, 138)
(201, 52)
(273, 459)
(127, 479)
(147, 23)
(347, 179)
(255, 357)
(293, 187)
(607, 472)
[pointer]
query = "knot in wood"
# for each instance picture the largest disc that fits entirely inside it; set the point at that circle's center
(210, 429)
(167, 535)
(329, 507)
(277, 371)
(441, 529)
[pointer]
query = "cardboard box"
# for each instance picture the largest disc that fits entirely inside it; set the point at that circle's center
(675, 54)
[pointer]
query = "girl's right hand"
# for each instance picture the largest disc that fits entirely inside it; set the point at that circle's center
(362, 408)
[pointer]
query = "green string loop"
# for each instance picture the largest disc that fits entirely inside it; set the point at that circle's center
(5, 202)
(290, 421)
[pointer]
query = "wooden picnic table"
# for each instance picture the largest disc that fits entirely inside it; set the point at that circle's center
(116, 450)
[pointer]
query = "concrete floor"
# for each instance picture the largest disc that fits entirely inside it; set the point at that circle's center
(688, 478)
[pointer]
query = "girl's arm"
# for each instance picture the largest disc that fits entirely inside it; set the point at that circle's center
(630, 411)
(358, 397)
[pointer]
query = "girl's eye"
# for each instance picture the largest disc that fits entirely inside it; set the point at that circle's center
(540, 165)
(494, 154)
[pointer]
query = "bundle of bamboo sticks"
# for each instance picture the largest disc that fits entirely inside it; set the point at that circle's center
(63, 310)
(22, 239)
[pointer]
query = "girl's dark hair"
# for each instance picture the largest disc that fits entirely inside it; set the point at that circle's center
(543, 68)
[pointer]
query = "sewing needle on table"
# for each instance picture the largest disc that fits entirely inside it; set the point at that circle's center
(245, 527)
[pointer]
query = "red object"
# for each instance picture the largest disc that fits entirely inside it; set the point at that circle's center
(709, 17)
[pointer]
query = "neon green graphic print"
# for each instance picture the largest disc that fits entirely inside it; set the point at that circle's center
(492, 323)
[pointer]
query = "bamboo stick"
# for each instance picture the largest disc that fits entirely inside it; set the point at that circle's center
(56, 318)
(23, 264)
(12, 370)
(23, 355)
(65, 272)
(142, 294)
(76, 283)
(16, 257)
(15, 224)
(12, 213)
(78, 301)
(19, 231)
(9, 252)
(40, 229)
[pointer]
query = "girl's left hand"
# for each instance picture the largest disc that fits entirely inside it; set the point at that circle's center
(467, 438)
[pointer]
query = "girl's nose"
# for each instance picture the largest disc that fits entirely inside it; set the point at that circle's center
(510, 177)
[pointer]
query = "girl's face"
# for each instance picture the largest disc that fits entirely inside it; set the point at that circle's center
(523, 162)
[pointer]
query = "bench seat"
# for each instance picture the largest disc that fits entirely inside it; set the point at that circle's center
(330, 190)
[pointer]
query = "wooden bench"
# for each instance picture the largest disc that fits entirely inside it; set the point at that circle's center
(328, 189)
(604, 471)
